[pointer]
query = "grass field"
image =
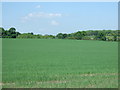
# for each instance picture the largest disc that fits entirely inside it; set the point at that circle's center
(41, 63)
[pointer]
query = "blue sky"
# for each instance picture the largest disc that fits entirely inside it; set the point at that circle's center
(56, 17)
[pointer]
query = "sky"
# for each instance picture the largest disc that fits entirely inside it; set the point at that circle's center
(59, 17)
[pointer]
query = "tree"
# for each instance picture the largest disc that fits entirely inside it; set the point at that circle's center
(109, 35)
(2, 32)
(100, 36)
(83, 33)
(115, 35)
(12, 33)
(12, 30)
(64, 36)
(31, 33)
(78, 35)
(60, 36)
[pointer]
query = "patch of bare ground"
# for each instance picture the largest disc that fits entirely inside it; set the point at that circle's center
(7, 84)
(90, 86)
(99, 74)
(1, 84)
(52, 82)
(56, 81)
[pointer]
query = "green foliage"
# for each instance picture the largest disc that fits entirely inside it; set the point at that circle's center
(104, 35)
(61, 36)
(1, 30)
(29, 35)
(87, 38)
(11, 33)
(26, 35)
(78, 35)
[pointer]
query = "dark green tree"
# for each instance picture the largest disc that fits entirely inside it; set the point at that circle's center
(60, 36)
(78, 35)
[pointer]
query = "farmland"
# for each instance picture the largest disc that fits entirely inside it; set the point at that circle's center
(55, 63)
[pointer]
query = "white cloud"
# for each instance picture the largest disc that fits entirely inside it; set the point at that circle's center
(40, 15)
(54, 14)
(38, 6)
(55, 23)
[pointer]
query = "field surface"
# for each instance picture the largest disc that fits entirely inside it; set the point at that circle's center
(47, 63)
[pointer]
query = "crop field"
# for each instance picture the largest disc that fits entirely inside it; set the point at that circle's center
(54, 63)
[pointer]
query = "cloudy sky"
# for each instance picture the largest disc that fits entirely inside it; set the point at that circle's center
(55, 17)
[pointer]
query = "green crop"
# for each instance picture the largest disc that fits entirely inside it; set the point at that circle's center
(54, 63)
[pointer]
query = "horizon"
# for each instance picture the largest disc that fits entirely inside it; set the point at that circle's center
(57, 33)
(59, 17)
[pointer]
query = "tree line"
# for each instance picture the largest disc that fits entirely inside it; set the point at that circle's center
(104, 35)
